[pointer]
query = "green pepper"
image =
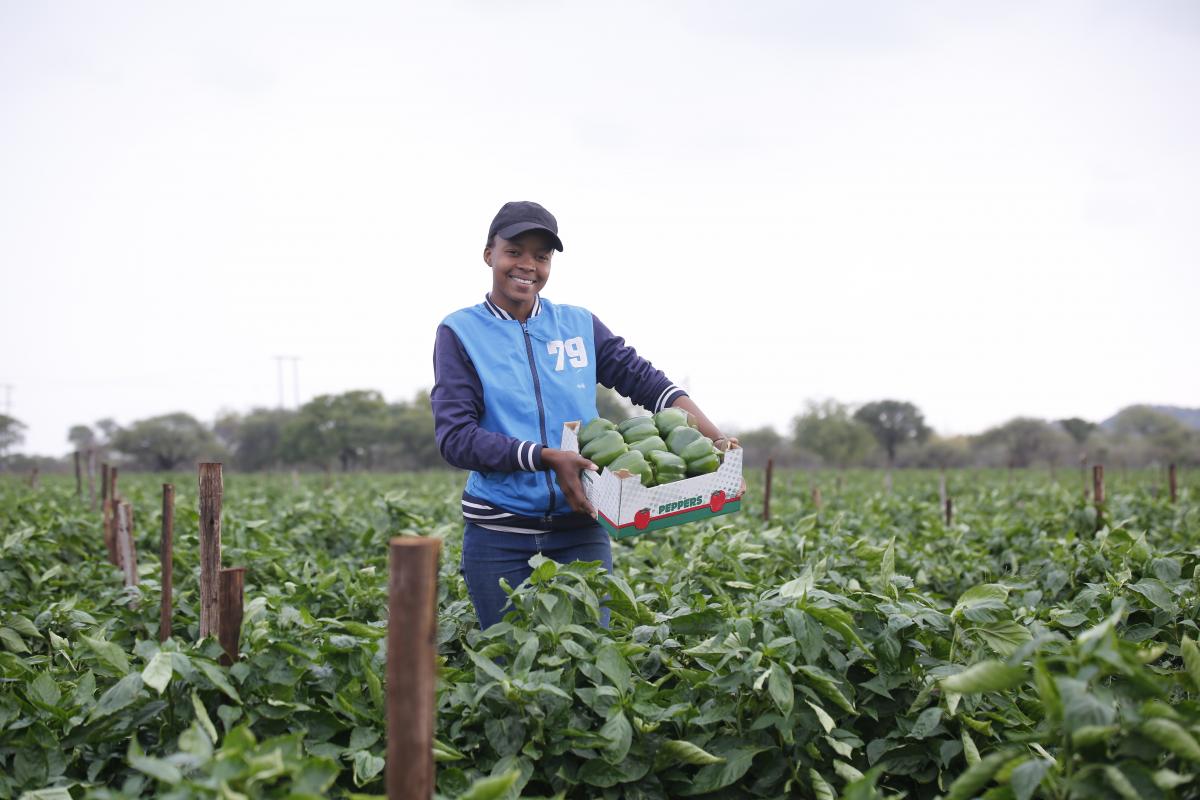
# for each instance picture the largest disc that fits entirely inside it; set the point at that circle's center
(634, 462)
(604, 448)
(636, 433)
(698, 448)
(650, 443)
(668, 467)
(681, 438)
(594, 429)
(704, 464)
(633, 422)
(669, 419)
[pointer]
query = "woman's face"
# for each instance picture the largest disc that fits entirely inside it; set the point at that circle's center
(520, 268)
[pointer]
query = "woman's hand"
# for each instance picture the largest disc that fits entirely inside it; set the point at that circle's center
(568, 466)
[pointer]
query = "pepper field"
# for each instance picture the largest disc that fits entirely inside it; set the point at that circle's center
(863, 649)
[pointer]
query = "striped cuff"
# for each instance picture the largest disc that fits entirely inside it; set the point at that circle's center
(668, 396)
(529, 456)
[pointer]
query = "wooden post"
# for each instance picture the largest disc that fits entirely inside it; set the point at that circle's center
(33, 478)
(126, 552)
(949, 506)
(1171, 483)
(1098, 493)
(91, 473)
(816, 497)
(942, 489)
(78, 476)
(232, 584)
(767, 490)
(411, 666)
(211, 489)
(166, 560)
(110, 518)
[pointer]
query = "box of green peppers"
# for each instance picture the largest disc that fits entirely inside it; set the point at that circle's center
(657, 471)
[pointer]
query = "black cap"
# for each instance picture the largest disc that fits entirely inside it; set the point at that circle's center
(519, 216)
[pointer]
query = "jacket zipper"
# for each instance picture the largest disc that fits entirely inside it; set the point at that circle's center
(537, 392)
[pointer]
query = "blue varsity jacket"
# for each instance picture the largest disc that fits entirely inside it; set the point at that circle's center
(502, 391)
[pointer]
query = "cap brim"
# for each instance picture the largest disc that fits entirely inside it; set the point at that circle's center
(516, 229)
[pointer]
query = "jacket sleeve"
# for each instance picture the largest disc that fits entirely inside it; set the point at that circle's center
(618, 366)
(457, 400)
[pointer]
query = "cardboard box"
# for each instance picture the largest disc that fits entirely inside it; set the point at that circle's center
(626, 508)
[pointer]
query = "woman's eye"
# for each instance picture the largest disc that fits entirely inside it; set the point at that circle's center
(513, 253)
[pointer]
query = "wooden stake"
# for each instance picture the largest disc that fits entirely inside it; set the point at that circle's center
(167, 561)
(110, 518)
(767, 490)
(33, 478)
(126, 552)
(1098, 493)
(91, 473)
(78, 476)
(411, 666)
(949, 506)
(232, 585)
(1171, 484)
(942, 489)
(211, 489)
(816, 497)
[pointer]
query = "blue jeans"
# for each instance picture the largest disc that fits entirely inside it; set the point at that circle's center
(488, 556)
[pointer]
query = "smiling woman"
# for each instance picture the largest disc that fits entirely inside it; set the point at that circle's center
(509, 372)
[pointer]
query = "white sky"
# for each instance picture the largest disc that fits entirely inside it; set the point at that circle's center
(988, 209)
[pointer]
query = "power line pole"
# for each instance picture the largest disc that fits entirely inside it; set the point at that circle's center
(279, 371)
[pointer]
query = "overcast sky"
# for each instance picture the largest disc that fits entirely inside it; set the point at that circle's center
(989, 209)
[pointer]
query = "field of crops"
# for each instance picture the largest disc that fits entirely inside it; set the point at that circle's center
(867, 649)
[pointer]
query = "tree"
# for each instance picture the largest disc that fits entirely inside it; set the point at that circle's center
(164, 442)
(892, 423)
(410, 434)
(1163, 437)
(81, 436)
(12, 432)
(344, 426)
(831, 432)
(760, 444)
(1078, 429)
(256, 439)
(1024, 441)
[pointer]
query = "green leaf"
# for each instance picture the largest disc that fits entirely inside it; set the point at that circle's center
(1172, 736)
(1120, 784)
(618, 735)
(614, 666)
(928, 722)
(491, 788)
(13, 641)
(984, 676)
(202, 717)
(366, 767)
(970, 751)
(969, 783)
(1154, 591)
(45, 690)
(718, 776)
(822, 716)
(679, 751)
(839, 620)
(1026, 778)
(887, 567)
(217, 676)
(821, 788)
(156, 768)
(157, 674)
(118, 696)
(22, 624)
(1191, 659)
(985, 595)
(1003, 636)
(779, 685)
(108, 653)
(825, 686)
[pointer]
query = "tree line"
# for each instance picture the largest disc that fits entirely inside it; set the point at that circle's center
(359, 430)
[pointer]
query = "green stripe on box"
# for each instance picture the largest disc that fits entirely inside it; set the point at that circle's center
(670, 521)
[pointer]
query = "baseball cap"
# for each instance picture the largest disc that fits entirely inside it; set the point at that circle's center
(519, 216)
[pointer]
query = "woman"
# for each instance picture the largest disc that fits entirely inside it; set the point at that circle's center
(508, 373)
